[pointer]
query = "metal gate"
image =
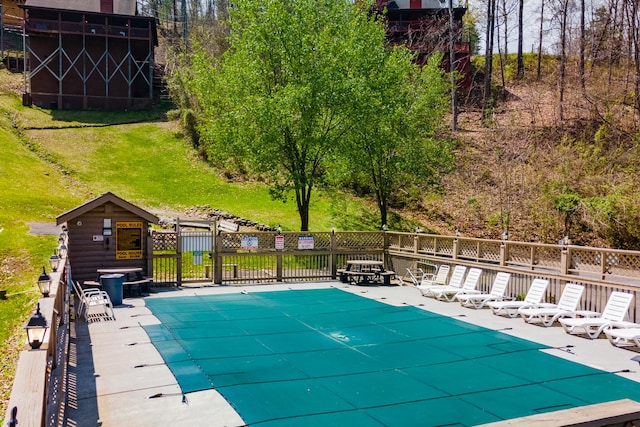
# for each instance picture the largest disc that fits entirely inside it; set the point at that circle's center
(184, 255)
(196, 248)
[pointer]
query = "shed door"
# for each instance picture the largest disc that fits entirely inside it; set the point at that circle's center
(415, 4)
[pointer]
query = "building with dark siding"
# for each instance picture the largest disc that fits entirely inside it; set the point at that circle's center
(88, 54)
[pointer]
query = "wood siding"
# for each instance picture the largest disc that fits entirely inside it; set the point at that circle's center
(81, 60)
(87, 255)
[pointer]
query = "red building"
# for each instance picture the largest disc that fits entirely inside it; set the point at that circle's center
(88, 54)
(423, 26)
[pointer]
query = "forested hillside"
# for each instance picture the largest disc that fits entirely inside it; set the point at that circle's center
(546, 144)
(524, 170)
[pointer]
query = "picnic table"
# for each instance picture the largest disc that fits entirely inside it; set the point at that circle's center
(366, 272)
(133, 279)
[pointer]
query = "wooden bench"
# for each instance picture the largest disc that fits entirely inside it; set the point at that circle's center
(387, 276)
(359, 277)
(139, 284)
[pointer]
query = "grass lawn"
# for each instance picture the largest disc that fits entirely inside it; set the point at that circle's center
(30, 190)
(151, 165)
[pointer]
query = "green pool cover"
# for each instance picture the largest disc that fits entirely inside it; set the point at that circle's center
(327, 357)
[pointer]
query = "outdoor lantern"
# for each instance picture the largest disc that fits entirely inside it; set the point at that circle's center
(44, 283)
(54, 260)
(36, 328)
(62, 250)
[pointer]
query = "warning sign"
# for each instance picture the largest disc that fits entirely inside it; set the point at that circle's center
(305, 242)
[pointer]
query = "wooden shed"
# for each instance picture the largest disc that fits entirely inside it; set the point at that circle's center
(108, 232)
(88, 54)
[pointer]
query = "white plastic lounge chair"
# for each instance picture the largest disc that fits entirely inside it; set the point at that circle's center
(624, 337)
(89, 300)
(566, 307)
(533, 298)
(448, 293)
(612, 316)
(438, 278)
(413, 276)
(498, 289)
(456, 280)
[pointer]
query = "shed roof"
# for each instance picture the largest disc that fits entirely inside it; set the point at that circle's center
(120, 7)
(101, 200)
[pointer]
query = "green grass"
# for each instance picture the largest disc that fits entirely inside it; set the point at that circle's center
(151, 165)
(30, 190)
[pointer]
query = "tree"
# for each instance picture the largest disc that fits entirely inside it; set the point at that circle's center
(452, 68)
(487, 98)
(538, 69)
(397, 144)
(290, 90)
(633, 12)
(564, 17)
(520, 72)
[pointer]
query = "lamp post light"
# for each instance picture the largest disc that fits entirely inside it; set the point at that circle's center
(44, 283)
(36, 329)
(62, 250)
(54, 260)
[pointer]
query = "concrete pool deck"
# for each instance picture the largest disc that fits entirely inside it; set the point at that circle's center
(117, 377)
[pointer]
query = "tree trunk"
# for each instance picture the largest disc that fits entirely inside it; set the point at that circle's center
(452, 68)
(303, 196)
(175, 17)
(383, 207)
(563, 57)
(615, 39)
(503, 60)
(185, 24)
(634, 20)
(540, 40)
(488, 65)
(505, 21)
(520, 72)
(582, 47)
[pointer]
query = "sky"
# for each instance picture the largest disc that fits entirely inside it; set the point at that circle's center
(531, 24)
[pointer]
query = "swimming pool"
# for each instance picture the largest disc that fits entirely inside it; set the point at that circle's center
(328, 357)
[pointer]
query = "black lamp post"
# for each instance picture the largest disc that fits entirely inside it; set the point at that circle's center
(36, 329)
(44, 283)
(62, 250)
(54, 260)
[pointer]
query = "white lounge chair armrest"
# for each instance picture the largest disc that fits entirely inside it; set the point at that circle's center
(625, 325)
